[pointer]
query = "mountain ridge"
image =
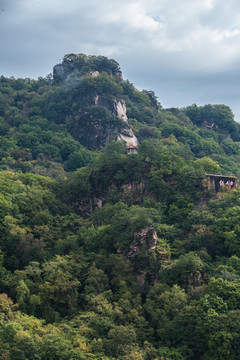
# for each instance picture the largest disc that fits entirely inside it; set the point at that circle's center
(108, 255)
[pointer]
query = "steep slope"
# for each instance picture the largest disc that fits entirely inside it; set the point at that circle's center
(108, 255)
(97, 114)
(58, 123)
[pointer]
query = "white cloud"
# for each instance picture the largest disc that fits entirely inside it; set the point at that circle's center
(133, 15)
(209, 3)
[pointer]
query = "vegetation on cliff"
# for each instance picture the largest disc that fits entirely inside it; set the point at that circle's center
(112, 256)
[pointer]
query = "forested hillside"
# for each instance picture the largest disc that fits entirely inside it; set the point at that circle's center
(106, 255)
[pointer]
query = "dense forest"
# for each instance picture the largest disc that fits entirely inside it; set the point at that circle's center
(108, 255)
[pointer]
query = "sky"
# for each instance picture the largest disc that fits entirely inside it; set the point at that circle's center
(186, 51)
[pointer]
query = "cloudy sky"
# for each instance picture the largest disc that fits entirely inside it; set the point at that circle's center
(186, 51)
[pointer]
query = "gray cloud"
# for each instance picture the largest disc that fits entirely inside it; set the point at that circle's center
(187, 51)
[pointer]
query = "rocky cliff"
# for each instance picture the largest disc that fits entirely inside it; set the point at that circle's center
(118, 108)
(94, 110)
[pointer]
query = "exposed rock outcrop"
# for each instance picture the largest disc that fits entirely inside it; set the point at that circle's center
(118, 108)
(125, 134)
(94, 74)
(146, 239)
(147, 236)
(121, 110)
(129, 139)
(94, 114)
(195, 279)
(135, 191)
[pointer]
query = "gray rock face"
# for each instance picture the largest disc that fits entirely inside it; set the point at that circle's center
(148, 236)
(121, 110)
(128, 139)
(118, 108)
(125, 134)
(91, 121)
(94, 74)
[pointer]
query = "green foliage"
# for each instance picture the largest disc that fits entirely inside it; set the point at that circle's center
(207, 165)
(105, 255)
(184, 271)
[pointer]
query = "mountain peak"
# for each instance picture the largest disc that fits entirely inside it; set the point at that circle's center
(77, 65)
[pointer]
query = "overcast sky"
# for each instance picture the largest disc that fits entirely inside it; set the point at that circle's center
(186, 51)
